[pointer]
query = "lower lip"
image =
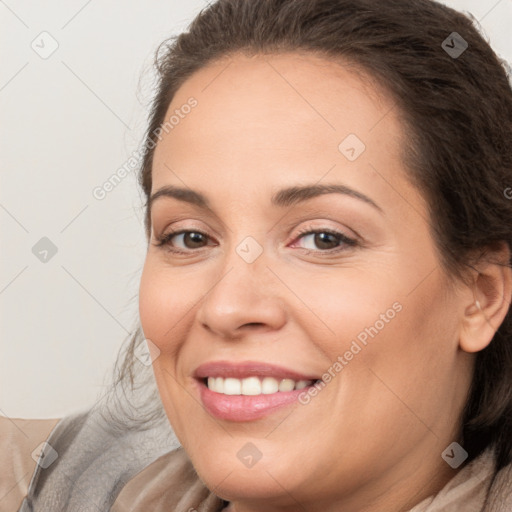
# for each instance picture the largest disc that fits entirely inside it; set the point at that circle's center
(245, 407)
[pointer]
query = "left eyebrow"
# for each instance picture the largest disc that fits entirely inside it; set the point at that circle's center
(293, 195)
(282, 198)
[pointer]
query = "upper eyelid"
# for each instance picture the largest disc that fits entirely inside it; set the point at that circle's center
(286, 226)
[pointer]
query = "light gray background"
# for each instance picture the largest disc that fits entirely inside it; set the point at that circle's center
(68, 122)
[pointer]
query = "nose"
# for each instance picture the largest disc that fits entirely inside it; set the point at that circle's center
(243, 298)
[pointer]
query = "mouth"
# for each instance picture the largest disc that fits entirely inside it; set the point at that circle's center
(248, 391)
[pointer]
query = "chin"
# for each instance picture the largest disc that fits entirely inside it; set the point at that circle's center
(225, 472)
(255, 485)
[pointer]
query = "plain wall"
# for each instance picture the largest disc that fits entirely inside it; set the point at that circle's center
(68, 122)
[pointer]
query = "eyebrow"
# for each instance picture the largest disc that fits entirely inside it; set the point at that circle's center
(282, 198)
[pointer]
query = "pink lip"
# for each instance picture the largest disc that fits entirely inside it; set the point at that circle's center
(241, 407)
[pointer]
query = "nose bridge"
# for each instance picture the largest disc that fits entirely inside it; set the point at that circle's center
(245, 239)
(246, 258)
(244, 274)
(243, 293)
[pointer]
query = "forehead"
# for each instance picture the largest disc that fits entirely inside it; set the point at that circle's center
(275, 115)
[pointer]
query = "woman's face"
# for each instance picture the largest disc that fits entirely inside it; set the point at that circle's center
(307, 255)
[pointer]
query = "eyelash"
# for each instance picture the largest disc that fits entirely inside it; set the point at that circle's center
(347, 242)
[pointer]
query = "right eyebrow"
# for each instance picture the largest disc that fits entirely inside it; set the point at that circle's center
(182, 194)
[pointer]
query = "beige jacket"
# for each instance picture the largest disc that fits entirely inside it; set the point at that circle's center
(170, 483)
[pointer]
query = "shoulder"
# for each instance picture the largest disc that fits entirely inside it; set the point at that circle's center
(20, 444)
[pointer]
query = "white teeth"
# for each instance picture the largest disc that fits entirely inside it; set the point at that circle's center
(286, 385)
(269, 385)
(252, 386)
(232, 386)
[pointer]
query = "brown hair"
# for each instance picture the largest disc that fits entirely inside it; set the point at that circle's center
(457, 111)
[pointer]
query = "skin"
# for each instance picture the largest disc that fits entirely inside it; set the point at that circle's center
(372, 438)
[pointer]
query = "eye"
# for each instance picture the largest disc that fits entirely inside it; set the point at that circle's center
(326, 240)
(189, 240)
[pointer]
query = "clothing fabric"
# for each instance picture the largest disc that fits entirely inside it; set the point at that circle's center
(19, 438)
(467, 491)
(93, 464)
(100, 469)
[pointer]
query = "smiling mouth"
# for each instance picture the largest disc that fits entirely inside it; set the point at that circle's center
(254, 386)
(249, 390)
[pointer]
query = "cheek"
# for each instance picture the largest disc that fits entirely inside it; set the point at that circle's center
(411, 362)
(398, 354)
(165, 298)
(345, 305)
(373, 321)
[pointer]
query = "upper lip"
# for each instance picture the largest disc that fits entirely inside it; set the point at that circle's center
(241, 370)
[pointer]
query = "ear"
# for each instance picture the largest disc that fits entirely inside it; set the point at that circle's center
(492, 289)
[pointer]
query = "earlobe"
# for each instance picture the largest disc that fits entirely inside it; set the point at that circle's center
(492, 296)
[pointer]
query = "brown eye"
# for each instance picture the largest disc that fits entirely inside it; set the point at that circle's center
(325, 240)
(193, 239)
(187, 240)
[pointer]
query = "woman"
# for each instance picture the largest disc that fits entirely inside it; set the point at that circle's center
(326, 292)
